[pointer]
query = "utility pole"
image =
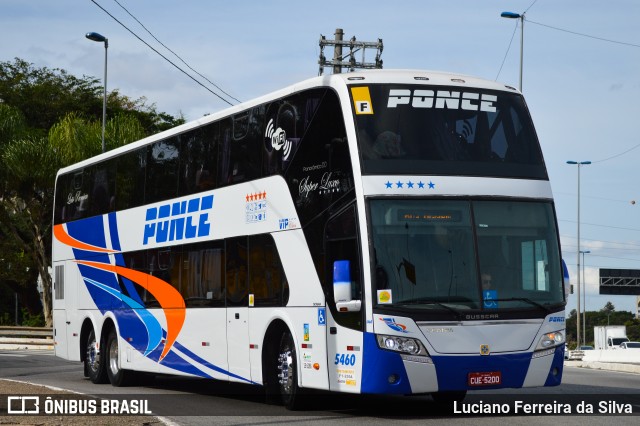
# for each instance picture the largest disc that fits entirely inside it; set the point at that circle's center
(337, 51)
(339, 62)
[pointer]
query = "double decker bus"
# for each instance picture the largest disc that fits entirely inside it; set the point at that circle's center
(381, 232)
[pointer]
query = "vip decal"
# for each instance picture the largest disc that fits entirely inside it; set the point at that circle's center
(256, 207)
(279, 139)
(442, 99)
(179, 220)
(288, 223)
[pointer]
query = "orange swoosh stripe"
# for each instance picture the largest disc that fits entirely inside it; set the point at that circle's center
(62, 236)
(164, 293)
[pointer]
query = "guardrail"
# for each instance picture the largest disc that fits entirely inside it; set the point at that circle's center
(26, 337)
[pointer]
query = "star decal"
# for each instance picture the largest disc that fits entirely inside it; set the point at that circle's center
(409, 184)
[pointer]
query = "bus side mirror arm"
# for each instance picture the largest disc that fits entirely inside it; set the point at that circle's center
(342, 287)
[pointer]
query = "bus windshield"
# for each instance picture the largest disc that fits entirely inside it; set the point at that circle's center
(465, 254)
(413, 129)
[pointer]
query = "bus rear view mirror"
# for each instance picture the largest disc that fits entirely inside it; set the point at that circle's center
(342, 286)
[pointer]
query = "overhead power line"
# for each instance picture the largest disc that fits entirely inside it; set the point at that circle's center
(174, 53)
(584, 35)
(161, 55)
(508, 48)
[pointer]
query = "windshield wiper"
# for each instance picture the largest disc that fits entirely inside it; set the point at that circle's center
(522, 299)
(456, 312)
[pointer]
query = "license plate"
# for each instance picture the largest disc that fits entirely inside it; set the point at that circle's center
(488, 378)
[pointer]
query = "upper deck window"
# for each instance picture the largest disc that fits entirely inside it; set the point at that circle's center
(419, 129)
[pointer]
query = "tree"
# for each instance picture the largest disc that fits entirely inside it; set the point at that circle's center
(608, 308)
(45, 95)
(49, 119)
(27, 203)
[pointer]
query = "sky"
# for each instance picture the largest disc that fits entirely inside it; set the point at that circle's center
(581, 77)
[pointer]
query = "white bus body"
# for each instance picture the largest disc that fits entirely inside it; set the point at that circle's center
(214, 249)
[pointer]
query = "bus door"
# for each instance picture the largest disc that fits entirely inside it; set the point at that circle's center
(237, 308)
(345, 325)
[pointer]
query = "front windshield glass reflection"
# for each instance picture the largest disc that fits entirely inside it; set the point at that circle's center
(453, 254)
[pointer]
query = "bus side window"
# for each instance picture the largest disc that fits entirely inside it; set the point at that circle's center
(199, 160)
(130, 179)
(267, 281)
(236, 271)
(162, 170)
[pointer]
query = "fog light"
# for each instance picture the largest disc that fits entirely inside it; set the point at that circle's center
(393, 379)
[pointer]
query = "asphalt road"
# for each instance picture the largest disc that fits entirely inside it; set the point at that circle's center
(177, 400)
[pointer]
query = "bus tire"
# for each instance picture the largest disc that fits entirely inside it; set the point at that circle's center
(94, 367)
(117, 376)
(287, 371)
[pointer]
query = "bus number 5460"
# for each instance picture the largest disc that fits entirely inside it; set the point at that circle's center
(345, 359)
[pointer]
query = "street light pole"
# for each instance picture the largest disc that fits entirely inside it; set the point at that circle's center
(579, 164)
(584, 300)
(102, 39)
(512, 15)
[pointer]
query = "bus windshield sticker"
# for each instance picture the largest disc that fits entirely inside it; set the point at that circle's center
(490, 299)
(443, 99)
(384, 297)
(362, 100)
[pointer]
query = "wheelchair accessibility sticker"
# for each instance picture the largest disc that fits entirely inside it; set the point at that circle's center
(322, 317)
(490, 299)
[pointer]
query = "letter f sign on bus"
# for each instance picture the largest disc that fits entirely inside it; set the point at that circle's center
(362, 100)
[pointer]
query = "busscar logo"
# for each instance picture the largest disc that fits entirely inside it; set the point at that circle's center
(442, 99)
(279, 139)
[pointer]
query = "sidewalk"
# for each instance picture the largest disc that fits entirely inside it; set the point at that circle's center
(610, 366)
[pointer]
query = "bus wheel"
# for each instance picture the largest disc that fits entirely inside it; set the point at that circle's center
(117, 376)
(288, 373)
(93, 360)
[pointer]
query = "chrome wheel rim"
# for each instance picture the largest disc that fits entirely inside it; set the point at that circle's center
(113, 357)
(93, 354)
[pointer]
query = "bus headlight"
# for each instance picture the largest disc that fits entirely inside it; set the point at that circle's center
(405, 345)
(551, 340)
